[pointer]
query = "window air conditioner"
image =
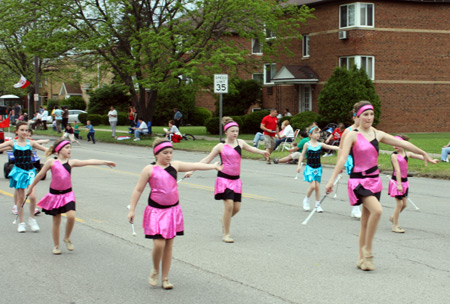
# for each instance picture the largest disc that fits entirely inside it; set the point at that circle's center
(343, 35)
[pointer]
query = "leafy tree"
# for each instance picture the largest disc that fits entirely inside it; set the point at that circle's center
(245, 93)
(148, 45)
(342, 91)
(181, 97)
(103, 98)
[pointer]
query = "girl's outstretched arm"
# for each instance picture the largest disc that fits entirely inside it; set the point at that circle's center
(7, 145)
(214, 152)
(184, 167)
(391, 140)
(249, 148)
(36, 145)
(329, 147)
(91, 162)
(47, 166)
(418, 156)
(137, 192)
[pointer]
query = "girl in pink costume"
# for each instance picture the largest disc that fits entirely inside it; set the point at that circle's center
(364, 185)
(399, 185)
(61, 198)
(228, 183)
(163, 218)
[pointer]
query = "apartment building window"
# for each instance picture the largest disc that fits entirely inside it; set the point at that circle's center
(305, 46)
(256, 46)
(259, 77)
(270, 69)
(356, 14)
(361, 62)
(305, 99)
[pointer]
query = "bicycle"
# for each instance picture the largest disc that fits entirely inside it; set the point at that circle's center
(187, 136)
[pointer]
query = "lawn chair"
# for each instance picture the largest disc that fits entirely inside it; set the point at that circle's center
(285, 144)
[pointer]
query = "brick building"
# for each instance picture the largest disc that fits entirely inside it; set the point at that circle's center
(404, 46)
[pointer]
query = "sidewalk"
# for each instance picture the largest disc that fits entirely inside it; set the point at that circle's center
(205, 137)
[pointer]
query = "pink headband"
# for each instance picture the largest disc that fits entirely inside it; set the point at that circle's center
(159, 147)
(230, 124)
(398, 137)
(363, 109)
(61, 145)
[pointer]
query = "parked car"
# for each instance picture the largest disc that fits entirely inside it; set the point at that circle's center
(73, 116)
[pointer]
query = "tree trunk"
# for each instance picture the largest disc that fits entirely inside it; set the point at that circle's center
(145, 104)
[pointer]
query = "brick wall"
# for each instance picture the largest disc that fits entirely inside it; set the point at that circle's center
(410, 43)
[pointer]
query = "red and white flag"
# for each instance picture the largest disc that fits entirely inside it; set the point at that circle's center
(23, 83)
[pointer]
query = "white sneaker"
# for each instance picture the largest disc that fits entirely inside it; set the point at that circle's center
(22, 227)
(318, 208)
(306, 206)
(356, 212)
(136, 139)
(14, 210)
(37, 211)
(33, 224)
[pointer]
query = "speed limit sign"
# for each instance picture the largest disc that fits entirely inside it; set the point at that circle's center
(220, 83)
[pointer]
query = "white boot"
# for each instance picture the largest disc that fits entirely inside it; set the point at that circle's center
(306, 206)
(356, 212)
(319, 209)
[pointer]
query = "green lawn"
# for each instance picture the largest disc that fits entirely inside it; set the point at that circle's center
(430, 142)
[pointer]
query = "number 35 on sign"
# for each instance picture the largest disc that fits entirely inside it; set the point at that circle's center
(220, 83)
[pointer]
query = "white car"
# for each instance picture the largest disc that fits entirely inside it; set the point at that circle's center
(73, 116)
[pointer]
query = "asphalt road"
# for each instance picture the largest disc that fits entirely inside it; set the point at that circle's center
(275, 259)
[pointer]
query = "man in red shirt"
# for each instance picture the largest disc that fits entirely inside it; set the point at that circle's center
(269, 125)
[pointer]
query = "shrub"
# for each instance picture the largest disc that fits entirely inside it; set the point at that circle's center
(105, 119)
(95, 119)
(75, 102)
(342, 91)
(200, 116)
(243, 94)
(122, 119)
(212, 125)
(83, 117)
(303, 120)
(252, 122)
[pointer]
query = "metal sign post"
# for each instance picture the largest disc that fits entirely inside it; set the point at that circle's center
(220, 87)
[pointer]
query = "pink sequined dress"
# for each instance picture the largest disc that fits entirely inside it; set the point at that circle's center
(392, 190)
(163, 217)
(61, 197)
(228, 182)
(364, 178)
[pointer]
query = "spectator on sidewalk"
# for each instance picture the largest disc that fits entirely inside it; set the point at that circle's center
(112, 116)
(335, 138)
(177, 117)
(269, 125)
(58, 118)
(286, 134)
(294, 152)
(91, 131)
(65, 117)
(142, 129)
(445, 152)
